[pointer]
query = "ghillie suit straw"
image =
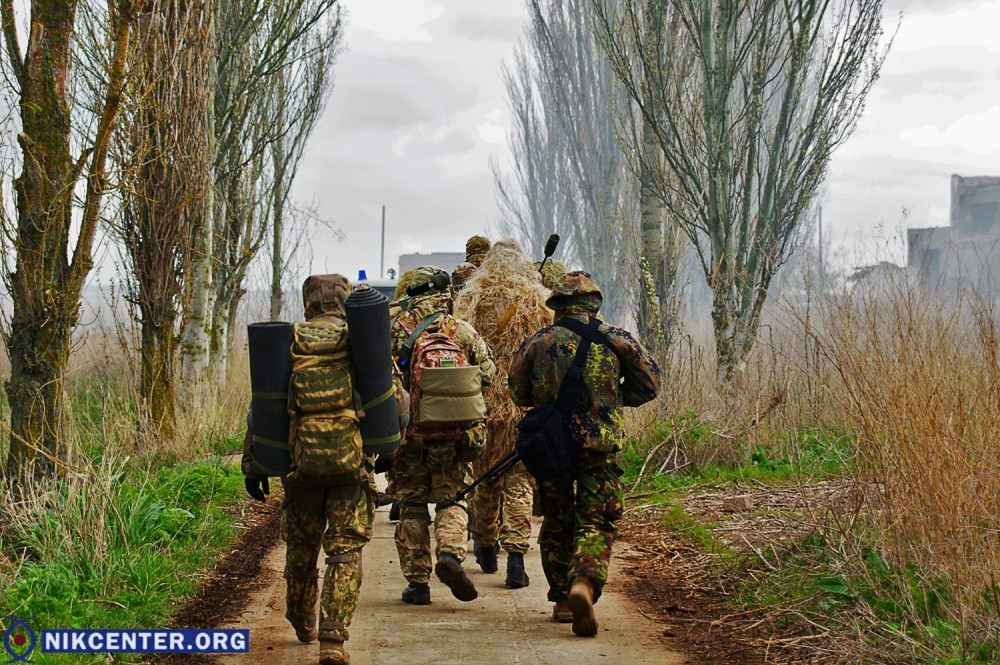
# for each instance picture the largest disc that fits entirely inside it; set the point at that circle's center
(505, 301)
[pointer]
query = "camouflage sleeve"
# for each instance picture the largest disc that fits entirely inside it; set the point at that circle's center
(484, 358)
(479, 352)
(639, 369)
(519, 375)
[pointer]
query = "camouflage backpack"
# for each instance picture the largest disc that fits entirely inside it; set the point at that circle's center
(324, 433)
(445, 388)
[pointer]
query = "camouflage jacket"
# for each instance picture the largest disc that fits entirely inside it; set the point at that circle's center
(471, 343)
(625, 376)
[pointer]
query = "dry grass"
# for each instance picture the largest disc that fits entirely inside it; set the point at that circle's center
(504, 301)
(102, 386)
(920, 382)
(916, 381)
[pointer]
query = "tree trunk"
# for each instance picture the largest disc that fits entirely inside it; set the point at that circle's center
(46, 286)
(159, 343)
(278, 211)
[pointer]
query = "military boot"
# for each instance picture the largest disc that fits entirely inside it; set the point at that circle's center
(417, 593)
(561, 612)
(305, 629)
(449, 570)
(394, 511)
(486, 557)
(581, 603)
(516, 577)
(332, 652)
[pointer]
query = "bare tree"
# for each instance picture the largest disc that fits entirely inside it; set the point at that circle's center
(569, 167)
(529, 204)
(662, 245)
(164, 155)
(746, 112)
(49, 272)
(256, 42)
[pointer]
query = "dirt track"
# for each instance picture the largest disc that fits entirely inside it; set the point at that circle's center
(501, 626)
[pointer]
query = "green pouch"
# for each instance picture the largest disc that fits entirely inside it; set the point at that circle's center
(451, 394)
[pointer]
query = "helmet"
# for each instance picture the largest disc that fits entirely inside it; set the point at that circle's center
(576, 290)
(427, 279)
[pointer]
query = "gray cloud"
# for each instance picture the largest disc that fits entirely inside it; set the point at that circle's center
(453, 142)
(950, 82)
(385, 93)
(502, 29)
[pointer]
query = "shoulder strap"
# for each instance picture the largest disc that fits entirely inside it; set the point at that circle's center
(588, 330)
(407, 350)
(572, 384)
(591, 331)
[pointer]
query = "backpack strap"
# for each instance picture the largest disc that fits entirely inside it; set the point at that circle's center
(407, 350)
(572, 384)
(591, 331)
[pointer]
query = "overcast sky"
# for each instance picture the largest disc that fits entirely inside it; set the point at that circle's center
(418, 109)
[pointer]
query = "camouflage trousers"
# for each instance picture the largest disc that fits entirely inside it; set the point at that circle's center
(424, 474)
(340, 519)
(502, 511)
(578, 527)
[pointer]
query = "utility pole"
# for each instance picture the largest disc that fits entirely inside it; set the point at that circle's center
(381, 261)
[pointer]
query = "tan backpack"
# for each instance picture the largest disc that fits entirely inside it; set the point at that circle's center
(325, 437)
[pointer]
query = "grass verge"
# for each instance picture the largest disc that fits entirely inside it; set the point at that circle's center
(117, 548)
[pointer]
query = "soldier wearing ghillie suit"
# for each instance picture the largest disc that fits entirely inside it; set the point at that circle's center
(476, 248)
(434, 463)
(505, 302)
(581, 508)
(334, 512)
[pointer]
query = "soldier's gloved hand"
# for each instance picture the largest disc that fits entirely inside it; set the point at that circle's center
(257, 488)
(383, 463)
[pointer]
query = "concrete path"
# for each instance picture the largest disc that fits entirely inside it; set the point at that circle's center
(501, 626)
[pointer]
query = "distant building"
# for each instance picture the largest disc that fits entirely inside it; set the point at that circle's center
(444, 260)
(966, 254)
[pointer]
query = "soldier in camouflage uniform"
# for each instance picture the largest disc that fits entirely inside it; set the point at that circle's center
(335, 513)
(431, 467)
(581, 509)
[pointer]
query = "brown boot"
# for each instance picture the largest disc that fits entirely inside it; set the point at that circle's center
(581, 603)
(331, 652)
(305, 630)
(561, 612)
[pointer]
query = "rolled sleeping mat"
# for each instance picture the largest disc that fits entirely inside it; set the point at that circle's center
(371, 355)
(270, 344)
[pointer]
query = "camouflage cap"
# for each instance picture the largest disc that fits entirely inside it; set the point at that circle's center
(324, 295)
(428, 279)
(476, 248)
(576, 290)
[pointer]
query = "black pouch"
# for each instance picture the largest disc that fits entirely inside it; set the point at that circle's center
(543, 443)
